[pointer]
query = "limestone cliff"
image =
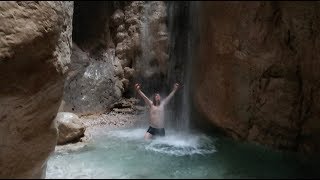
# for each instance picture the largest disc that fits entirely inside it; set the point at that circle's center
(257, 71)
(35, 47)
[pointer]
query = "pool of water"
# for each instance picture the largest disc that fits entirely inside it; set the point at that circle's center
(124, 154)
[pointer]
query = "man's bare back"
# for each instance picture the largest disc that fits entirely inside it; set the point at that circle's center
(156, 106)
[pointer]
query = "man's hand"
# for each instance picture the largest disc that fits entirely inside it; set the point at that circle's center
(137, 86)
(176, 86)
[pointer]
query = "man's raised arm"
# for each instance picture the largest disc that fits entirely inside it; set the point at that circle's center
(168, 98)
(145, 98)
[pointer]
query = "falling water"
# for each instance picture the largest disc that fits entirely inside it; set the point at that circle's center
(181, 25)
(150, 73)
(183, 35)
(146, 39)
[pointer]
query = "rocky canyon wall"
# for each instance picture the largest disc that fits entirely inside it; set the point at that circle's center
(35, 47)
(115, 45)
(257, 71)
(91, 85)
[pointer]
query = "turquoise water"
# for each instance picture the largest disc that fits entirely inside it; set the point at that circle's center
(123, 153)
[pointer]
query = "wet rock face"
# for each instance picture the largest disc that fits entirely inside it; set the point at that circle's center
(34, 51)
(70, 128)
(257, 71)
(90, 86)
(141, 41)
(93, 83)
(127, 24)
(154, 40)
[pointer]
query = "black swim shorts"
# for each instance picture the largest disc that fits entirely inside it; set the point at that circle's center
(156, 131)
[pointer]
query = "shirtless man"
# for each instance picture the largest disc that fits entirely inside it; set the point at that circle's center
(156, 112)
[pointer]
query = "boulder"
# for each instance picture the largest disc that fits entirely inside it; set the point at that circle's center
(70, 128)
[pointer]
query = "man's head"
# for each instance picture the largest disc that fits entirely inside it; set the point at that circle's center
(156, 99)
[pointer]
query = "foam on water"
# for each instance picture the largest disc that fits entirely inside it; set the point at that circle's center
(181, 145)
(128, 134)
(172, 144)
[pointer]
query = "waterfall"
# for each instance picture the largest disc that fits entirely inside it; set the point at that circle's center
(180, 22)
(182, 25)
(151, 62)
(146, 40)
